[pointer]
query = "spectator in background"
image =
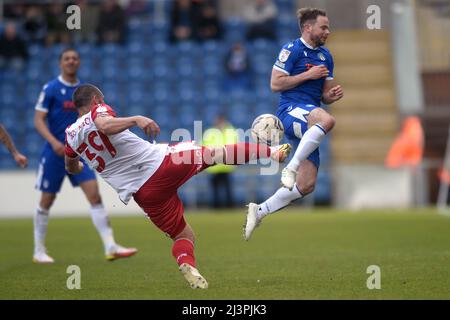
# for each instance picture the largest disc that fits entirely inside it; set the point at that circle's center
(57, 31)
(221, 134)
(13, 10)
(209, 22)
(237, 67)
(135, 7)
(112, 23)
(13, 51)
(35, 25)
(184, 21)
(89, 22)
(260, 16)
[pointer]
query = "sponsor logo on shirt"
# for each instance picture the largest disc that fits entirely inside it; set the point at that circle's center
(69, 106)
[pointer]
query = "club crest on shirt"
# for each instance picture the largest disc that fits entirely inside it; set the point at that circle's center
(284, 55)
(63, 91)
(321, 56)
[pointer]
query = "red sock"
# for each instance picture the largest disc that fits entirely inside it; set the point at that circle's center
(183, 252)
(243, 152)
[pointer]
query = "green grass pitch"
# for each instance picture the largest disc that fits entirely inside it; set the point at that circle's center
(295, 254)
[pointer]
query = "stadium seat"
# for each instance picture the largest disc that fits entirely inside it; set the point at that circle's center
(111, 50)
(235, 29)
(36, 50)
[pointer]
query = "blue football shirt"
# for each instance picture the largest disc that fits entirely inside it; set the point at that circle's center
(297, 57)
(56, 100)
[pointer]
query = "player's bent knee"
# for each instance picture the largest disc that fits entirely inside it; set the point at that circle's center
(330, 121)
(307, 188)
(95, 199)
(327, 122)
(321, 117)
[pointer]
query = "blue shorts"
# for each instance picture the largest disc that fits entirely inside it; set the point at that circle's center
(51, 172)
(295, 122)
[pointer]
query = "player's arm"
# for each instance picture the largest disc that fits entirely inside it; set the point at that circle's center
(110, 125)
(282, 81)
(5, 138)
(332, 92)
(41, 126)
(42, 107)
(73, 165)
(72, 161)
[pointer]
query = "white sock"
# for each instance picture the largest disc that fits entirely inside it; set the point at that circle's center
(282, 198)
(309, 142)
(40, 229)
(101, 222)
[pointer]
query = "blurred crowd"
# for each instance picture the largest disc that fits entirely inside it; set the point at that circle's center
(44, 23)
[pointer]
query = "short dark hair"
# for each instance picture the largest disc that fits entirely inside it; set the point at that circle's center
(83, 95)
(67, 50)
(307, 14)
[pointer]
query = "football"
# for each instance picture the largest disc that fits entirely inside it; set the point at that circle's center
(267, 129)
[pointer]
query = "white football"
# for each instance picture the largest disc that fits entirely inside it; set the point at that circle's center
(267, 129)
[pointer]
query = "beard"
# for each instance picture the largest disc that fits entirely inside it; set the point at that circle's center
(317, 40)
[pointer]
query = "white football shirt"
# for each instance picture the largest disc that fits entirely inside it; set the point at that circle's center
(124, 160)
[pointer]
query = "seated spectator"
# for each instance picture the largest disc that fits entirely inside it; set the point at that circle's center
(209, 23)
(13, 51)
(57, 31)
(136, 7)
(184, 20)
(35, 25)
(89, 22)
(260, 16)
(237, 67)
(112, 23)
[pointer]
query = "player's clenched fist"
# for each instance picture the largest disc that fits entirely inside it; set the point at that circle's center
(149, 126)
(317, 72)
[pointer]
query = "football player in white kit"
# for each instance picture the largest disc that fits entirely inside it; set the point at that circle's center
(150, 173)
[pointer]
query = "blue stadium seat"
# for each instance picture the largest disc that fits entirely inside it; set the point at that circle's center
(87, 50)
(162, 50)
(7, 162)
(111, 50)
(235, 29)
(36, 51)
(34, 144)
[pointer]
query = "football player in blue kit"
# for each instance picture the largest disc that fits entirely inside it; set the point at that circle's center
(54, 112)
(303, 74)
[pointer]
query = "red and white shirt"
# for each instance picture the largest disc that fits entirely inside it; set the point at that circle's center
(124, 160)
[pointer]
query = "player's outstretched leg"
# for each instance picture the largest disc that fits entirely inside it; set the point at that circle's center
(281, 198)
(183, 252)
(243, 152)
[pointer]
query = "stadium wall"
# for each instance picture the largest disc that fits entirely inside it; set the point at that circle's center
(373, 187)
